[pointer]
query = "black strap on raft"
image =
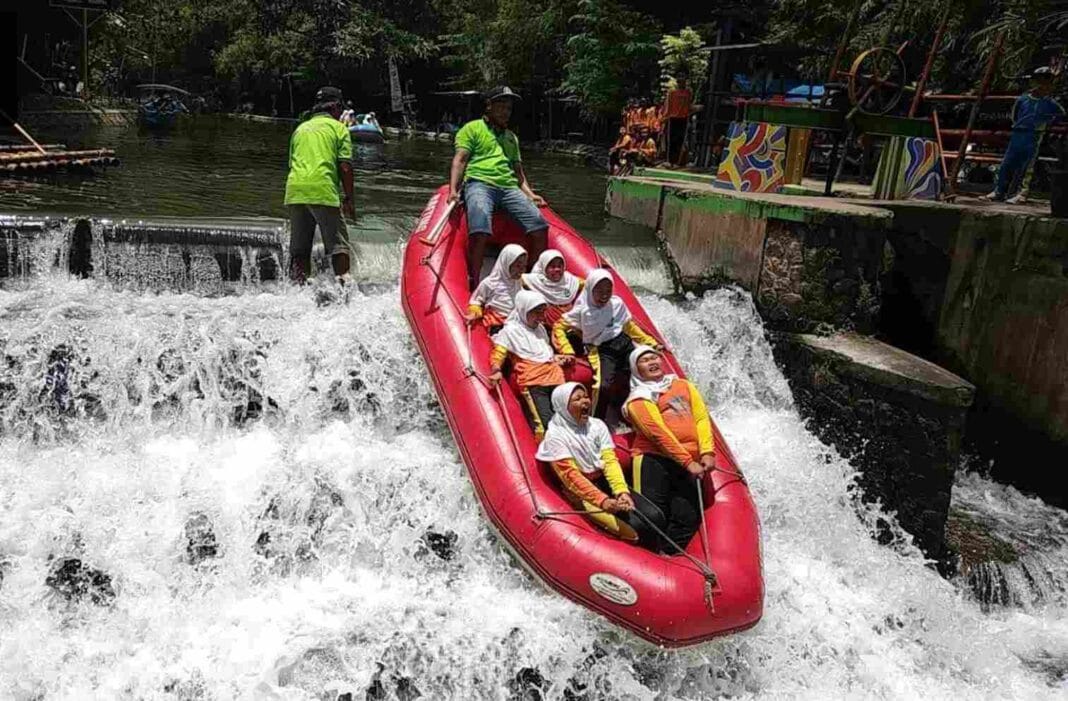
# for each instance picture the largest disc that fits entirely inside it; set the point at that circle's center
(711, 580)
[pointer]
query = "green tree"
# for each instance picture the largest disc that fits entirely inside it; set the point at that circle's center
(683, 55)
(970, 34)
(610, 56)
(518, 42)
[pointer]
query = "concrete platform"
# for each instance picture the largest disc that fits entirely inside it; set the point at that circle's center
(899, 419)
(978, 287)
(808, 262)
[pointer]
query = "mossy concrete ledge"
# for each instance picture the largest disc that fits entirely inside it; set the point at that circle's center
(984, 291)
(899, 420)
(809, 263)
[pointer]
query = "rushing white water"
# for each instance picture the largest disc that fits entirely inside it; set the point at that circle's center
(306, 432)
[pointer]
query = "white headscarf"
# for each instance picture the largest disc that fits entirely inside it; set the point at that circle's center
(555, 293)
(498, 290)
(598, 324)
(646, 389)
(565, 438)
(528, 342)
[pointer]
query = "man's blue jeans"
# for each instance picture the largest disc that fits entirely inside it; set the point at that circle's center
(483, 199)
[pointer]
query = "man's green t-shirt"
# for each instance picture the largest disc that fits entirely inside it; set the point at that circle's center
(493, 153)
(314, 151)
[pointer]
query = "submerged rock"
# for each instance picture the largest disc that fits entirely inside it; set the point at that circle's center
(528, 685)
(395, 687)
(978, 560)
(441, 544)
(200, 539)
(294, 528)
(74, 581)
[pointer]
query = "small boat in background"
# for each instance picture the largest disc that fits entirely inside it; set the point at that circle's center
(367, 130)
(160, 105)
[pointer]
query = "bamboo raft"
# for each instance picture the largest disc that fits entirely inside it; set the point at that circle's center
(30, 160)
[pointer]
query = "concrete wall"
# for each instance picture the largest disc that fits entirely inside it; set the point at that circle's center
(983, 291)
(899, 419)
(808, 263)
(988, 293)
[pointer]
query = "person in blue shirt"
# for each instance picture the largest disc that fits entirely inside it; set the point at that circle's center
(1033, 111)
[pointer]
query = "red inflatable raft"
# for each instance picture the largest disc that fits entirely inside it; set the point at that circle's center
(668, 600)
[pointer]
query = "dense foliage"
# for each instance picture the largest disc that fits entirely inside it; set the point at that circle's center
(597, 53)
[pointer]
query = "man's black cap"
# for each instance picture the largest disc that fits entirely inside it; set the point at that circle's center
(1042, 73)
(328, 94)
(502, 92)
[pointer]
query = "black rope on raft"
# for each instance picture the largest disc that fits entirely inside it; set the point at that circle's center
(711, 580)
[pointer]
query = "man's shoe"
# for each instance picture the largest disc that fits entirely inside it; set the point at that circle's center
(994, 196)
(1018, 198)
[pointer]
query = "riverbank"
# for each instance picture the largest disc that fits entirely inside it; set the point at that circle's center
(978, 289)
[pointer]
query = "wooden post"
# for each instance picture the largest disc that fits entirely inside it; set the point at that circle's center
(922, 82)
(941, 151)
(711, 101)
(85, 53)
(846, 36)
(984, 88)
(22, 131)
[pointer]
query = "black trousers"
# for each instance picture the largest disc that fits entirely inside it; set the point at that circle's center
(676, 139)
(612, 368)
(647, 537)
(538, 403)
(672, 490)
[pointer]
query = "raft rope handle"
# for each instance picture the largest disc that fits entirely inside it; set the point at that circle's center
(470, 367)
(704, 530)
(472, 372)
(711, 580)
(519, 455)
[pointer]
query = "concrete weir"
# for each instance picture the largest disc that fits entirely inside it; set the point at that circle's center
(160, 252)
(983, 292)
(898, 418)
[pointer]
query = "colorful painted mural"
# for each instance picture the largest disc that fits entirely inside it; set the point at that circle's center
(754, 157)
(910, 168)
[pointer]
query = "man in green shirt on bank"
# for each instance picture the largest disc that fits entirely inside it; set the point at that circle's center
(319, 186)
(489, 168)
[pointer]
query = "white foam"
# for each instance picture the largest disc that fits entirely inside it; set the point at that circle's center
(351, 468)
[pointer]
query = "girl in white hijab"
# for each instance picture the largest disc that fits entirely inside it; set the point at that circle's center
(580, 450)
(604, 323)
(536, 369)
(494, 298)
(559, 287)
(674, 442)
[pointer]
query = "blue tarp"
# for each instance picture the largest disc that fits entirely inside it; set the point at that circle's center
(794, 90)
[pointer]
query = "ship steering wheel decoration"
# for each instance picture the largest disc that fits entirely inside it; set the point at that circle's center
(876, 80)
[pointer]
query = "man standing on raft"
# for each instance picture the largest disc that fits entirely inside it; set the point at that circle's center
(489, 167)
